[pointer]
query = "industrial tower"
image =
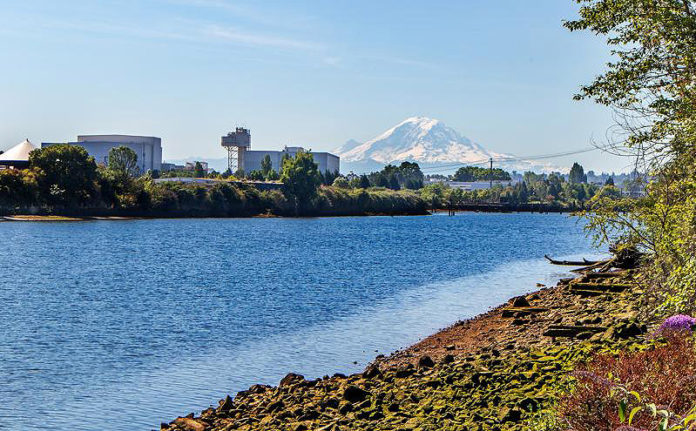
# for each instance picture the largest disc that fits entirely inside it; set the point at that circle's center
(237, 143)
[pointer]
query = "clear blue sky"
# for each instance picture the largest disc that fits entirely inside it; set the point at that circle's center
(310, 73)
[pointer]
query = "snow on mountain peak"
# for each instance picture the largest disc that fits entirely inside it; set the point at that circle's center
(419, 139)
(430, 143)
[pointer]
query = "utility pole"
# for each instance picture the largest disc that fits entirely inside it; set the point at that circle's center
(490, 174)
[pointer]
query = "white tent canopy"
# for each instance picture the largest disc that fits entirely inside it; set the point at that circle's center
(19, 152)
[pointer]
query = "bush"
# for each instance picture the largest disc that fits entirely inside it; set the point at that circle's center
(341, 183)
(640, 387)
(17, 188)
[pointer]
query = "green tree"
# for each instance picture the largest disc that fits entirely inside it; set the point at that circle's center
(67, 174)
(123, 161)
(653, 75)
(301, 180)
(476, 173)
(198, 171)
(394, 182)
(577, 174)
(364, 182)
(266, 165)
(256, 175)
(410, 175)
(522, 192)
(435, 194)
(609, 182)
(341, 183)
(651, 84)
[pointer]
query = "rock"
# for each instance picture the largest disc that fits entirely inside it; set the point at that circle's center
(363, 405)
(267, 420)
(529, 404)
(628, 330)
(191, 424)
(426, 362)
(449, 347)
(371, 372)
(278, 405)
(259, 389)
(508, 313)
(345, 408)
(226, 404)
(291, 379)
(330, 402)
(447, 359)
(404, 372)
(520, 301)
(354, 394)
(309, 415)
(510, 415)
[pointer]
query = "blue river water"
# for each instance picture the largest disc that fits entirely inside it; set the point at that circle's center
(121, 325)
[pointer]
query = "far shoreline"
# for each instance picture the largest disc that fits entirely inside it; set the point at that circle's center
(110, 215)
(75, 218)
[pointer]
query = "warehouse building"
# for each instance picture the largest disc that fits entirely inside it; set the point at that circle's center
(148, 148)
(241, 156)
(252, 159)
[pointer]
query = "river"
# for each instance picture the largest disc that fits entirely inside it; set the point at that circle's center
(121, 325)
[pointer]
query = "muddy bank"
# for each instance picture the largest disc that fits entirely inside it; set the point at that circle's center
(498, 371)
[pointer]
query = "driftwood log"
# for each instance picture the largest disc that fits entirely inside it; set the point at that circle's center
(583, 262)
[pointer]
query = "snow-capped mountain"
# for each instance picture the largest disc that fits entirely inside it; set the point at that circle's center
(427, 141)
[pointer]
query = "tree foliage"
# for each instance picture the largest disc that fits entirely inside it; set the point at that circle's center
(123, 161)
(407, 175)
(66, 174)
(651, 83)
(477, 173)
(198, 171)
(577, 174)
(301, 179)
(266, 165)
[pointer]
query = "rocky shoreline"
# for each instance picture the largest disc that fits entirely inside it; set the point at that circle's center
(498, 371)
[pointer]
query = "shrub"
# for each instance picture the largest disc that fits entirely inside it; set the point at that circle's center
(341, 183)
(680, 322)
(634, 387)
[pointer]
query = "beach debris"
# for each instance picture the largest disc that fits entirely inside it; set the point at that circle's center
(583, 262)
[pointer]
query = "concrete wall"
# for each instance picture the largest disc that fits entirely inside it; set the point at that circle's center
(148, 148)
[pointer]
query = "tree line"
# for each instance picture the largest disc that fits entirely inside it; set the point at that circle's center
(65, 179)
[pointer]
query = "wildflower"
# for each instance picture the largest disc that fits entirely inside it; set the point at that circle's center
(677, 323)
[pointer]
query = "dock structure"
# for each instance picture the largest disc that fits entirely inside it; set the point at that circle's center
(237, 143)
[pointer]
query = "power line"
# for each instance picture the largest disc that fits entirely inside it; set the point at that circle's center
(504, 160)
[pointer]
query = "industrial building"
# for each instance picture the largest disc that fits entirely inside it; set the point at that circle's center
(252, 159)
(240, 155)
(148, 148)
